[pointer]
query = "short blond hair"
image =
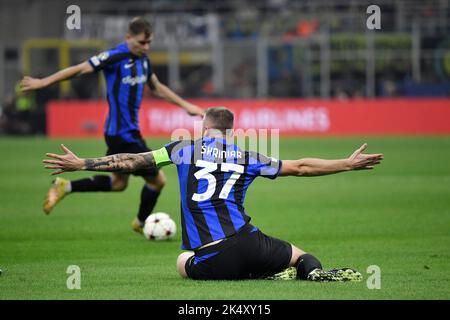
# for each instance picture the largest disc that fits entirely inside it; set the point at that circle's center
(220, 118)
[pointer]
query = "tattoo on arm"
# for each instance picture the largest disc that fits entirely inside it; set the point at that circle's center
(122, 162)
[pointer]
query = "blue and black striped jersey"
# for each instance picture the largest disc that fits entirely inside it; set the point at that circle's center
(126, 75)
(214, 176)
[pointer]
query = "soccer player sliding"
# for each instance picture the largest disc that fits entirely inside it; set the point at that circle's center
(214, 175)
(126, 69)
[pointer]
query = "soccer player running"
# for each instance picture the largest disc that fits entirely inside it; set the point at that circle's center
(214, 175)
(126, 69)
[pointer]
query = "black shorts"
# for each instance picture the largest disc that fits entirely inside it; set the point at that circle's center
(249, 254)
(117, 144)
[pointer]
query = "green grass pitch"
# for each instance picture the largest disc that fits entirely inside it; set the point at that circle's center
(396, 217)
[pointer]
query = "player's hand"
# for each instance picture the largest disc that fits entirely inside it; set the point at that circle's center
(29, 83)
(63, 163)
(360, 161)
(194, 110)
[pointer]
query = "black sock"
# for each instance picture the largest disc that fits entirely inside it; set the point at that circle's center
(95, 183)
(305, 264)
(148, 202)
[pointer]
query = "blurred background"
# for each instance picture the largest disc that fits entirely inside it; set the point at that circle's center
(235, 49)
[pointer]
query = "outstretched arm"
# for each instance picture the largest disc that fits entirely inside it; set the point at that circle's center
(122, 162)
(29, 83)
(164, 92)
(319, 167)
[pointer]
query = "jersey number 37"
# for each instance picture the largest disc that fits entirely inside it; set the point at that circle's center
(205, 173)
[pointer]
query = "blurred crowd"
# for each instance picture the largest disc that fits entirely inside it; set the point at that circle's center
(294, 63)
(24, 112)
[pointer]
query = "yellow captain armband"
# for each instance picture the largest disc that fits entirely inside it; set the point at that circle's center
(161, 157)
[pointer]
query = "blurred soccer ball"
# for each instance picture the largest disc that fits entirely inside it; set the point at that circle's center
(159, 226)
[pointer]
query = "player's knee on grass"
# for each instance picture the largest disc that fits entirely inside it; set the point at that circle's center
(305, 264)
(181, 263)
(296, 254)
(119, 182)
(158, 182)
